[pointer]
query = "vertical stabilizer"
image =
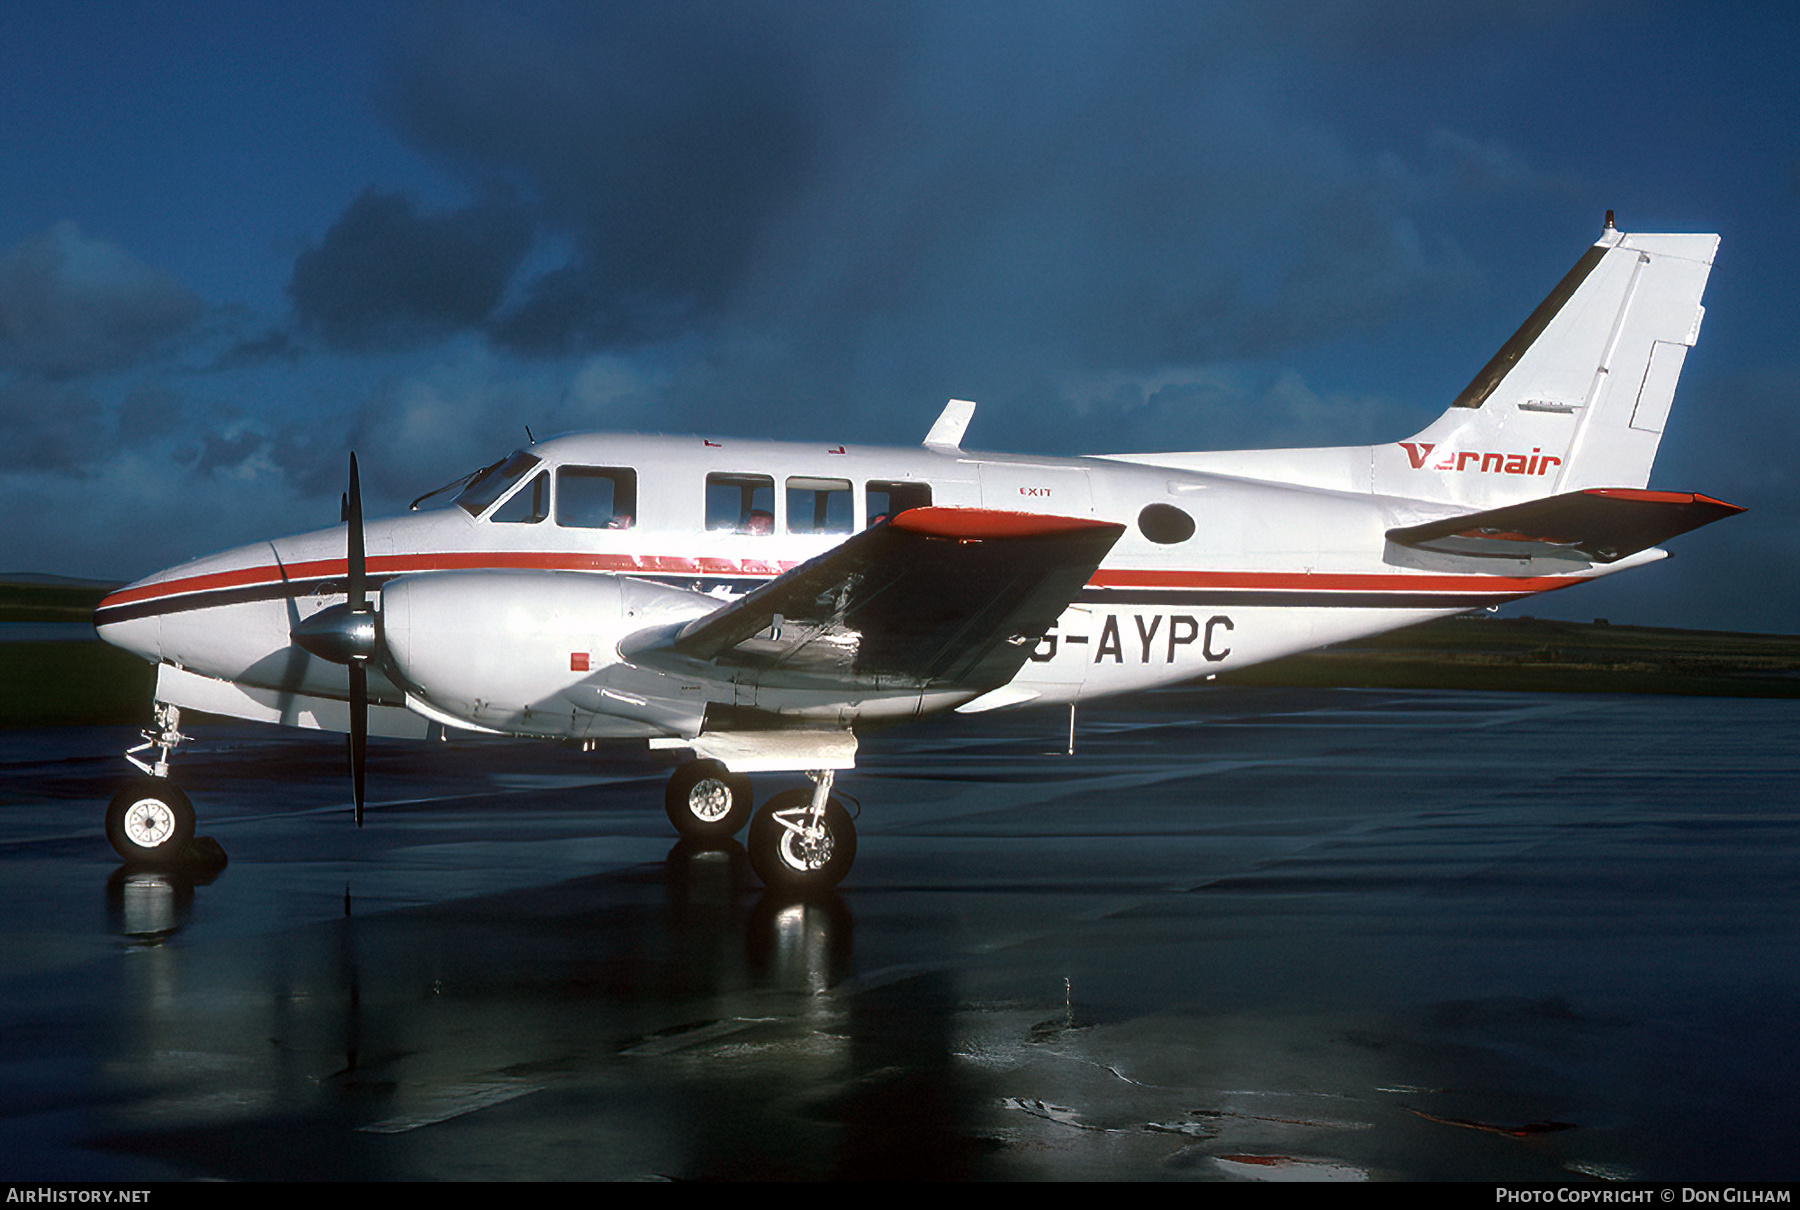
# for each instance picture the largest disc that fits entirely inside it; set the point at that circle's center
(1578, 396)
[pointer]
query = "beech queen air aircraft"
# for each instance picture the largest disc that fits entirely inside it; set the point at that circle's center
(760, 605)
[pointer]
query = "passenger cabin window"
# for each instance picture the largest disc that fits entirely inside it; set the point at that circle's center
(596, 497)
(742, 504)
(819, 506)
(529, 505)
(891, 499)
(490, 484)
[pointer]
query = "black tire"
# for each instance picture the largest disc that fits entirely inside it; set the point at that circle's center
(707, 802)
(792, 865)
(150, 821)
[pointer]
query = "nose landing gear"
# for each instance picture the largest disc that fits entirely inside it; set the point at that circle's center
(150, 821)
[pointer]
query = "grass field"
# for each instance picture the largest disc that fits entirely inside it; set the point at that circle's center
(1537, 655)
(45, 684)
(66, 684)
(51, 684)
(49, 602)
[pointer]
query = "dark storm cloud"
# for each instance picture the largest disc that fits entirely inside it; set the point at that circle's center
(272, 346)
(148, 412)
(659, 138)
(227, 450)
(48, 427)
(385, 273)
(999, 191)
(71, 304)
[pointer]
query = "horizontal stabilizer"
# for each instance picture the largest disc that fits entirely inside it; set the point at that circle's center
(936, 597)
(1599, 525)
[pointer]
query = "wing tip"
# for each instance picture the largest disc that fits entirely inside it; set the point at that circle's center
(1649, 496)
(985, 524)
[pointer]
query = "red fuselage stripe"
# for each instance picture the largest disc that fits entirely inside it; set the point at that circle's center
(395, 565)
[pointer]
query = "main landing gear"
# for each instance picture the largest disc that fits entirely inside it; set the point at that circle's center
(707, 802)
(800, 840)
(150, 821)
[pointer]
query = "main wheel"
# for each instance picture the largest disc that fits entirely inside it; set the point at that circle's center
(788, 854)
(149, 820)
(707, 802)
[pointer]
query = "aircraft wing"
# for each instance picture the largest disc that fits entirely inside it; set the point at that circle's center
(935, 598)
(1598, 525)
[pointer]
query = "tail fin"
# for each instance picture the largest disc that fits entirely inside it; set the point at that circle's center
(1577, 398)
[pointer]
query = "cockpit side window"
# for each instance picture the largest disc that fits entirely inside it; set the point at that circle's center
(596, 497)
(529, 505)
(742, 504)
(489, 485)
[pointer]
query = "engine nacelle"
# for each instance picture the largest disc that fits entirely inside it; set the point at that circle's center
(522, 651)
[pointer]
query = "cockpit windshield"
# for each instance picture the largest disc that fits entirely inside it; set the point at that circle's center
(489, 484)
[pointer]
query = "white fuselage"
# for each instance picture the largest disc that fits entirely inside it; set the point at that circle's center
(507, 614)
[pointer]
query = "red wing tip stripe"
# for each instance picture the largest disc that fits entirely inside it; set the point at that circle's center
(989, 523)
(1654, 497)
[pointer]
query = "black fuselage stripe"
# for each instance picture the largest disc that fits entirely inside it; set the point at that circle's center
(334, 587)
(215, 598)
(1280, 599)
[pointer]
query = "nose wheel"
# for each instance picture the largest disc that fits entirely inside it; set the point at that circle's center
(149, 820)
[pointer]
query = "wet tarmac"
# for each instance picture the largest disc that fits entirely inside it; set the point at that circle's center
(1239, 935)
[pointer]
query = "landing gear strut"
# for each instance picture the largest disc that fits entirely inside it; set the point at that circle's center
(150, 820)
(803, 841)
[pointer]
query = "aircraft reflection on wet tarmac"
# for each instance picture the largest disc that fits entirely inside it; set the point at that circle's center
(1239, 935)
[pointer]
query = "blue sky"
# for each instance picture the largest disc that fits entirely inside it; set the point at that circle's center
(237, 241)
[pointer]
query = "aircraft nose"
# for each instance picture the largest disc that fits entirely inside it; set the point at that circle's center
(136, 631)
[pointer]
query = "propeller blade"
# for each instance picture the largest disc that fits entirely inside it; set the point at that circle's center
(356, 576)
(359, 731)
(356, 591)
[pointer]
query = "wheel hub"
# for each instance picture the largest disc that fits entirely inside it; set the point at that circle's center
(149, 823)
(808, 849)
(710, 800)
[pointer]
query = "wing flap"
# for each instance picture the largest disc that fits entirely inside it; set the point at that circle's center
(935, 598)
(770, 751)
(1598, 525)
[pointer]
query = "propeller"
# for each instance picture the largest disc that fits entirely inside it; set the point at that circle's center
(349, 634)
